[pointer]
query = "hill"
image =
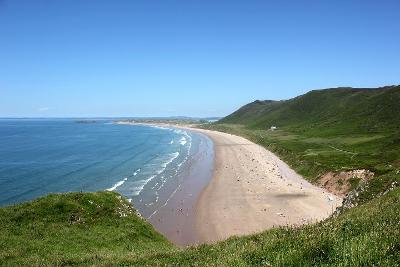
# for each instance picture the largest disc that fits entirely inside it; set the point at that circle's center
(347, 109)
(340, 138)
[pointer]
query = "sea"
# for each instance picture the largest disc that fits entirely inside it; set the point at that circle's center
(141, 162)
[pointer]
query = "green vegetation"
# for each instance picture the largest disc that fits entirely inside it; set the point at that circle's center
(102, 229)
(329, 130)
(331, 110)
(75, 228)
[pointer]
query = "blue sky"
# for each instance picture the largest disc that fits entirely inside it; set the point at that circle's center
(196, 58)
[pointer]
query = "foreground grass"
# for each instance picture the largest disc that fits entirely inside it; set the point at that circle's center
(75, 228)
(368, 235)
(102, 229)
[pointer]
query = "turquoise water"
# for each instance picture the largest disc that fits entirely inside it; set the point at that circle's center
(38, 157)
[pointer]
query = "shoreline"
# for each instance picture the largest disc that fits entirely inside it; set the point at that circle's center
(176, 219)
(251, 190)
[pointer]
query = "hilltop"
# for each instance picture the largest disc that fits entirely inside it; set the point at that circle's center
(347, 109)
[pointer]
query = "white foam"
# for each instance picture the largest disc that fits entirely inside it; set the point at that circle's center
(117, 185)
(183, 141)
(140, 185)
(154, 213)
(172, 141)
(178, 131)
(173, 156)
(159, 127)
(188, 152)
(166, 202)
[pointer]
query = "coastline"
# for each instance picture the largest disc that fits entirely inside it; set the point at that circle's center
(250, 190)
(176, 219)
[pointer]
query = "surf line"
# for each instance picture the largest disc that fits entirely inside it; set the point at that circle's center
(118, 184)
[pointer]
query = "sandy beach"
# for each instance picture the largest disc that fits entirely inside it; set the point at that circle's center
(253, 190)
(249, 190)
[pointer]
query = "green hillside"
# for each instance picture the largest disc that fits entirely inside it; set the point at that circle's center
(328, 131)
(102, 229)
(347, 109)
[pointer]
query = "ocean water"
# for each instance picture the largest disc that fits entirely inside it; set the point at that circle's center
(38, 157)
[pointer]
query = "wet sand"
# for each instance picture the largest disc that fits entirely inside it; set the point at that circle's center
(176, 219)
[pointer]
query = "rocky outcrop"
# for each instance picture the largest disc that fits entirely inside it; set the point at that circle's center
(343, 182)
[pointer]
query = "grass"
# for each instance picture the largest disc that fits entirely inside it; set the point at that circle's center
(102, 229)
(75, 228)
(328, 111)
(315, 153)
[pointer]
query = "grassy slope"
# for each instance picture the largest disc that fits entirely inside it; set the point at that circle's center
(67, 229)
(340, 109)
(328, 130)
(47, 232)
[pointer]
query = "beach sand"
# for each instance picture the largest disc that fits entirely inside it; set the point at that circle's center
(248, 190)
(253, 190)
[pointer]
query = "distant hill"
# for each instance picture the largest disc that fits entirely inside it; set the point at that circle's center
(366, 109)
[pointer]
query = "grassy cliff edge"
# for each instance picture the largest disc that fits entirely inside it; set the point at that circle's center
(102, 229)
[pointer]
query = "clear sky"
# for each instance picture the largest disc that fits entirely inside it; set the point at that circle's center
(196, 58)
